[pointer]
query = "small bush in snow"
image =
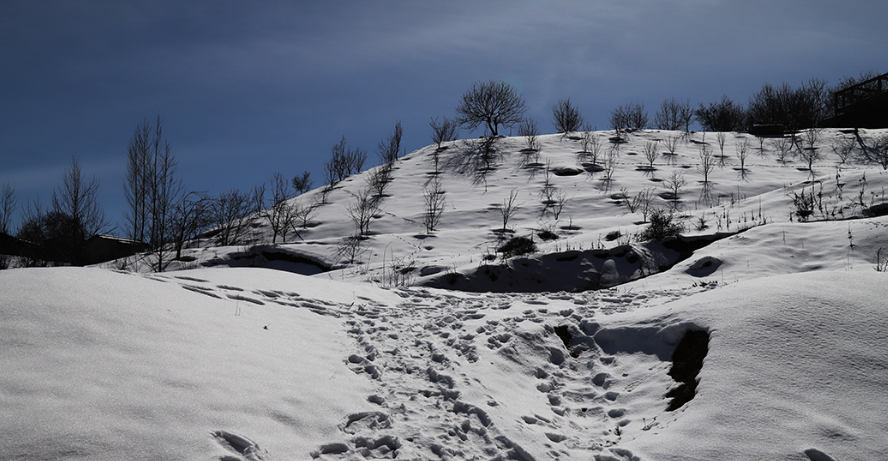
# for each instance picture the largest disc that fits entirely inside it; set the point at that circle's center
(662, 225)
(517, 246)
(566, 117)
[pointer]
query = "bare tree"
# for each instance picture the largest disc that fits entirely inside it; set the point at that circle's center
(78, 199)
(559, 199)
(528, 129)
(434, 206)
(445, 131)
(641, 202)
(136, 186)
(637, 117)
(379, 179)
(565, 117)
(674, 183)
(651, 153)
(508, 208)
(843, 148)
(591, 146)
(673, 114)
(191, 215)
(720, 138)
(782, 146)
(610, 162)
(725, 115)
(230, 214)
(810, 153)
(362, 210)
(490, 103)
(880, 149)
(164, 192)
(619, 121)
(7, 207)
(151, 189)
(547, 190)
(812, 137)
(707, 162)
(280, 214)
(350, 249)
(742, 149)
(629, 117)
(389, 149)
(687, 115)
(303, 214)
(344, 162)
(302, 183)
(671, 144)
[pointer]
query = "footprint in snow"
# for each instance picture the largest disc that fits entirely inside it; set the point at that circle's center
(240, 445)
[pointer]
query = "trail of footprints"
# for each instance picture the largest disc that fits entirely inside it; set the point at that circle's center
(413, 353)
(410, 351)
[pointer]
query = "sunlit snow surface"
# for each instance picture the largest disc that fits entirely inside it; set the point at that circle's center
(257, 364)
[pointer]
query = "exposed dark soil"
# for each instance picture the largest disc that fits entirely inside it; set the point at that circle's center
(563, 333)
(687, 361)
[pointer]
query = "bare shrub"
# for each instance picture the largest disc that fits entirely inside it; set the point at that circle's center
(547, 190)
(742, 149)
(637, 117)
(351, 249)
(302, 183)
(725, 115)
(362, 210)
(434, 206)
(7, 207)
(674, 183)
(812, 137)
(673, 114)
(566, 117)
(610, 163)
(880, 150)
(191, 215)
(843, 148)
(591, 146)
(720, 140)
(619, 121)
(280, 214)
(379, 179)
(344, 162)
(707, 162)
(640, 202)
(782, 146)
(651, 152)
(508, 208)
(528, 129)
(445, 131)
(811, 153)
(389, 149)
(303, 214)
(557, 202)
(229, 215)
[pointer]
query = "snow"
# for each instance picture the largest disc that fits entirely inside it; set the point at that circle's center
(426, 348)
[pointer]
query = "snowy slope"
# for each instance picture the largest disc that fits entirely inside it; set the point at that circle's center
(522, 362)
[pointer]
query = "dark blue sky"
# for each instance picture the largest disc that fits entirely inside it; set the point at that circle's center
(247, 89)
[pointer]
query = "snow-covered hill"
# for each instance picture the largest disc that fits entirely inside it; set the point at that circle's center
(427, 345)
